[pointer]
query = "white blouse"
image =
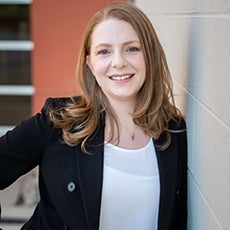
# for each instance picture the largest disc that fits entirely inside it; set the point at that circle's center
(131, 189)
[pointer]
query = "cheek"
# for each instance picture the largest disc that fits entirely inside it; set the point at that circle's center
(99, 67)
(140, 64)
(141, 60)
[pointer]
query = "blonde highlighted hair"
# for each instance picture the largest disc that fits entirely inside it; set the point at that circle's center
(155, 105)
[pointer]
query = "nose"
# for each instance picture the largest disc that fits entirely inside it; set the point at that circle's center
(118, 60)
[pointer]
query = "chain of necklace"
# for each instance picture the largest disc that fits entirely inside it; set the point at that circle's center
(131, 133)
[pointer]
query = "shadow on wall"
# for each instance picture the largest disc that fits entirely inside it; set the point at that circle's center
(207, 119)
(193, 81)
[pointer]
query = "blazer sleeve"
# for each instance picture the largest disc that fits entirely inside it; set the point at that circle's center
(181, 218)
(21, 149)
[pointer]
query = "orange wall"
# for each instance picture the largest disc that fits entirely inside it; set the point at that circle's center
(57, 27)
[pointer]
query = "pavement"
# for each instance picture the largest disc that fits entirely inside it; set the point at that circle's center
(13, 217)
(18, 202)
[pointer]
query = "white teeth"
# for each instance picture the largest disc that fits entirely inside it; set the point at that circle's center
(119, 78)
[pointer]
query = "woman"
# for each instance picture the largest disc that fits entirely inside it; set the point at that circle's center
(115, 157)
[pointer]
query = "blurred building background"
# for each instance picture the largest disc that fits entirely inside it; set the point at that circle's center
(39, 43)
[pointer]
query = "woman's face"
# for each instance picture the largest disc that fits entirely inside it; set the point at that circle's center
(116, 59)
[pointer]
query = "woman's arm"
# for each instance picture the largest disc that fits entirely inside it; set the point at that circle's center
(21, 149)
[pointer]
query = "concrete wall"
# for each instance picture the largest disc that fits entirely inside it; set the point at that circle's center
(196, 37)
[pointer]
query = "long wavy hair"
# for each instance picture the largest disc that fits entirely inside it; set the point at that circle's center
(155, 105)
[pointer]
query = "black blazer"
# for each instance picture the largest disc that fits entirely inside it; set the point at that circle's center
(70, 181)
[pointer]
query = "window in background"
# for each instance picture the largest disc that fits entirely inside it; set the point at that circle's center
(16, 90)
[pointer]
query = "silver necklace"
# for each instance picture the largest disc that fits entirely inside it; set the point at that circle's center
(131, 133)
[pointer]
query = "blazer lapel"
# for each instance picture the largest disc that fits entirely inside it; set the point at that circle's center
(90, 168)
(167, 163)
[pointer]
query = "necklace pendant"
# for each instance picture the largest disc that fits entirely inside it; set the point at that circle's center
(132, 135)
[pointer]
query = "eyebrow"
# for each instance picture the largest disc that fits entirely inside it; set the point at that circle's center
(125, 43)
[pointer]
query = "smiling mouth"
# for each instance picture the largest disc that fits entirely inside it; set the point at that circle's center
(121, 77)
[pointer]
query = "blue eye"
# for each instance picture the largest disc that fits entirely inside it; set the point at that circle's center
(132, 49)
(102, 52)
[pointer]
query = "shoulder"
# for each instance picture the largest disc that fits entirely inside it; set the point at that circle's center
(59, 103)
(177, 128)
(178, 132)
(177, 125)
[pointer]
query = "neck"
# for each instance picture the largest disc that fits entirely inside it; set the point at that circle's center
(128, 130)
(123, 109)
(123, 112)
